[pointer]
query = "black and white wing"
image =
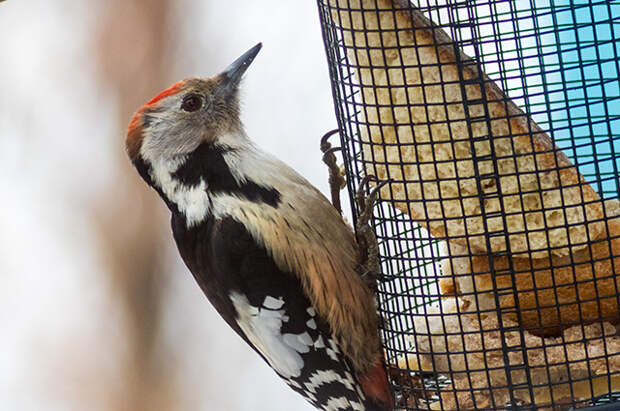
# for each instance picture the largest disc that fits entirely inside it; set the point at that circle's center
(267, 307)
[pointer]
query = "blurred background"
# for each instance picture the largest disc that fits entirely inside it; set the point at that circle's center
(97, 310)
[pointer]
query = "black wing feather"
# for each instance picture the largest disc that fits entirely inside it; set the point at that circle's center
(224, 258)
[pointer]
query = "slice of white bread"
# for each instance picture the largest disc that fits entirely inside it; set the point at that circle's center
(468, 349)
(545, 295)
(464, 160)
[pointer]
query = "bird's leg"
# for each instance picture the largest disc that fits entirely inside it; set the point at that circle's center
(366, 239)
(336, 180)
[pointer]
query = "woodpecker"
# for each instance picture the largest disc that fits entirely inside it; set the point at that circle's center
(272, 255)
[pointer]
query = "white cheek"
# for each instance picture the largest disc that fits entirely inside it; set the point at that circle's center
(192, 201)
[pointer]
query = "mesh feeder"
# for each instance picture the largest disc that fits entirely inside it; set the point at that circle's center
(497, 125)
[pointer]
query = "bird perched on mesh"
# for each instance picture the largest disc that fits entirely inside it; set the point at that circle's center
(269, 251)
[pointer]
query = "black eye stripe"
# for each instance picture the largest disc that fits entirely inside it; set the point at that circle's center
(191, 102)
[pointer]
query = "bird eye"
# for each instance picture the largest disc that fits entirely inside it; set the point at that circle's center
(191, 102)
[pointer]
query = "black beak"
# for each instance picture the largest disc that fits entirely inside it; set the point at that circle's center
(233, 73)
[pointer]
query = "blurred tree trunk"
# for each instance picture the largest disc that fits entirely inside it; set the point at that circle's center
(131, 45)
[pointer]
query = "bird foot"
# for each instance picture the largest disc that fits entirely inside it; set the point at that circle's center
(336, 179)
(370, 266)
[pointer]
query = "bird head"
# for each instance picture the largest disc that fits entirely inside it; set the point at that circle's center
(191, 112)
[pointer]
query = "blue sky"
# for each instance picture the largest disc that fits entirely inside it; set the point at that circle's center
(580, 69)
(559, 60)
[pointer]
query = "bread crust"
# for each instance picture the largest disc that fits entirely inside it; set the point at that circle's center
(545, 295)
(464, 160)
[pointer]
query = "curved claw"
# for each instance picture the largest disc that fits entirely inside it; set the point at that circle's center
(376, 188)
(367, 179)
(326, 137)
(336, 181)
(362, 200)
(369, 247)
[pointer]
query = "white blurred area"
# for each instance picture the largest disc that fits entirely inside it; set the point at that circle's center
(97, 311)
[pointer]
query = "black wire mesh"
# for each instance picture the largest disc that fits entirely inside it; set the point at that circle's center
(497, 124)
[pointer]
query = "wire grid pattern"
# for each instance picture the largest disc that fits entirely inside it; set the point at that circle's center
(559, 62)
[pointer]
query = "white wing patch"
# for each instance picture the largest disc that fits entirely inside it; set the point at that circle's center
(311, 324)
(321, 377)
(263, 325)
(333, 350)
(273, 303)
(342, 403)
